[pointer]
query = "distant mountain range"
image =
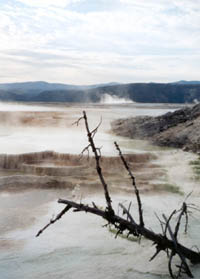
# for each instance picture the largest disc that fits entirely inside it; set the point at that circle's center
(40, 91)
(187, 82)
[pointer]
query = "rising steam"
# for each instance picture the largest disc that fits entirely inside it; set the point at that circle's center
(113, 99)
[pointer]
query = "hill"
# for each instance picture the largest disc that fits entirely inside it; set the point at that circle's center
(176, 129)
(178, 92)
(151, 92)
(187, 82)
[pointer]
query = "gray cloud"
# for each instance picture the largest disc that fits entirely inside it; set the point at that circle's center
(97, 41)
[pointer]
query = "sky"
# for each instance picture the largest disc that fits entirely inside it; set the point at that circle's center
(99, 41)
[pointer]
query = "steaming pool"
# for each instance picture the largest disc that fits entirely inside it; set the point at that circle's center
(77, 246)
(31, 127)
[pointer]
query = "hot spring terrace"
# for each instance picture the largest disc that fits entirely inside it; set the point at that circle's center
(51, 170)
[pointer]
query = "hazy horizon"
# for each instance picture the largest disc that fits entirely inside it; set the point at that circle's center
(98, 83)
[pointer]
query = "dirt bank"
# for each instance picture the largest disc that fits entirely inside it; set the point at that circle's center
(180, 129)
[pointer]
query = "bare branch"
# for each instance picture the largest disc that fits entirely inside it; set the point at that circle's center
(125, 211)
(178, 251)
(128, 224)
(162, 242)
(86, 149)
(77, 122)
(52, 221)
(168, 220)
(133, 183)
(170, 264)
(158, 249)
(98, 167)
(93, 133)
(183, 211)
(161, 223)
(129, 207)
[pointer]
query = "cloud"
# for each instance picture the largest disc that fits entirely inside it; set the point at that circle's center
(120, 40)
(47, 3)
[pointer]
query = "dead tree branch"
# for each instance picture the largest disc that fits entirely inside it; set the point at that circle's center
(52, 221)
(183, 211)
(184, 266)
(133, 183)
(128, 224)
(97, 155)
(134, 228)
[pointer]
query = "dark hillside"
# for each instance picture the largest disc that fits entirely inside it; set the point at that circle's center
(183, 92)
(178, 129)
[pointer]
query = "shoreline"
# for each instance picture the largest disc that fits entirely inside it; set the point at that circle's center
(179, 129)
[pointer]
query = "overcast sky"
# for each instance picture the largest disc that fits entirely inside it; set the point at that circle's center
(95, 41)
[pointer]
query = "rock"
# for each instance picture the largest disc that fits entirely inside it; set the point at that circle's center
(179, 129)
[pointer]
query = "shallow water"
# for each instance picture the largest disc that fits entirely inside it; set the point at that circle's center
(78, 246)
(48, 133)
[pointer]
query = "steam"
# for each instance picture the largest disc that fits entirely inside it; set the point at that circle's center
(4, 106)
(29, 128)
(196, 101)
(113, 99)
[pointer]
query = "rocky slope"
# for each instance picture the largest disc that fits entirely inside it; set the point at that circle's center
(178, 129)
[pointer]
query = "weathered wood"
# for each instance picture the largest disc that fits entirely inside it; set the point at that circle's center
(97, 158)
(52, 221)
(133, 183)
(161, 241)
